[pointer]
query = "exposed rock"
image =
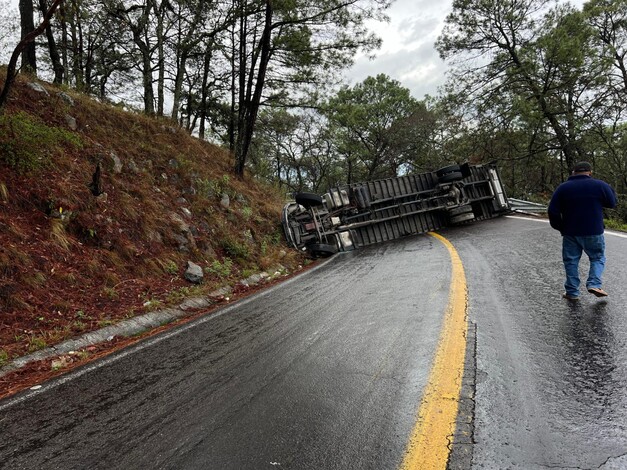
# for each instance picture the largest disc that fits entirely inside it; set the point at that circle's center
(170, 129)
(253, 280)
(67, 98)
(220, 293)
(117, 163)
(154, 236)
(174, 163)
(279, 270)
(182, 201)
(193, 273)
(71, 122)
(195, 302)
(178, 220)
(186, 212)
(132, 166)
(225, 201)
(38, 88)
(183, 243)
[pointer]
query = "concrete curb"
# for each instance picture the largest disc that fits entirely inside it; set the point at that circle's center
(135, 325)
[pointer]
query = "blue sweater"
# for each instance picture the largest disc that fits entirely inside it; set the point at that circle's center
(576, 207)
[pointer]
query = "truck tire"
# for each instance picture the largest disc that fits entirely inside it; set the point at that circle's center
(308, 200)
(462, 218)
(448, 169)
(450, 177)
(322, 250)
(459, 210)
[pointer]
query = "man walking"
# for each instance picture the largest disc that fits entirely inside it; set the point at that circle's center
(576, 210)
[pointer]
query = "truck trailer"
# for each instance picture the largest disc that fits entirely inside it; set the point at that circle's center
(360, 214)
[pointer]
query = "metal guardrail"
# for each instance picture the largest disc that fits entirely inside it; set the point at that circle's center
(527, 206)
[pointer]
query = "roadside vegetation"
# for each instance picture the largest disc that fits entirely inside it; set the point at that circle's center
(78, 254)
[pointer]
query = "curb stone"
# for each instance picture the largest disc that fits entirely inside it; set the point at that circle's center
(135, 325)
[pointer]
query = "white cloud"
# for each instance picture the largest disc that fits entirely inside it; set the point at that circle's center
(408, 53)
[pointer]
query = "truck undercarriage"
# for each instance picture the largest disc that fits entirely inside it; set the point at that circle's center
(359, 214)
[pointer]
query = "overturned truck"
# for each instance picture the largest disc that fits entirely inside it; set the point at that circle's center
(360, 214)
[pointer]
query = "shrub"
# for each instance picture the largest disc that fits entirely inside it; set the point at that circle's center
(58, 234)
(170, 267)
(35, 343)
(221, 270)
(619, 214)
(4, 357)
(213, 187)
(235, 249)
(27, 144)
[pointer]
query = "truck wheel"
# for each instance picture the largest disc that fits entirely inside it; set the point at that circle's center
(450, 177)
(308, 200)
(322, 250)
(460, 219)
(459, 210)
(447, 169)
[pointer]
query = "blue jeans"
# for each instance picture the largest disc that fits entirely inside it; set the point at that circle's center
(572, 248)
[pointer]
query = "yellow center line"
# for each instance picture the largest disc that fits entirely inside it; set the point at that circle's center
(429, 445)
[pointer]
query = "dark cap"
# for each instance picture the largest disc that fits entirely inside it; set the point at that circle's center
(582, 167)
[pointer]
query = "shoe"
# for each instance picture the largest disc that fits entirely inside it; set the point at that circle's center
(597, 291)
(570, 297)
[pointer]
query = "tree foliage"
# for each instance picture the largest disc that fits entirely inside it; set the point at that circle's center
(534, 84)
(540, 82)
(371, 122)
(208, 58)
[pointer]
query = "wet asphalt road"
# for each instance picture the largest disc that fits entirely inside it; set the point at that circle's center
(323, 372)
(327, 370)
(551, 374)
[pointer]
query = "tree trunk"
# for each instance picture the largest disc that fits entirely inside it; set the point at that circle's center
(77, 48)
(569, 148)
(149, 95)
(204, 94)
(159, 13)
(55, 58)
(27, 24)
(246, 123)
(238, 56)
(178, 84)
(64, 45)
(142, 41)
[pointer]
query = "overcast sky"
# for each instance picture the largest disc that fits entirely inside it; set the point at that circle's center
(408, 53)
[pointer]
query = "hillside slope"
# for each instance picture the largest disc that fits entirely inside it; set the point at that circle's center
(78, 251)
